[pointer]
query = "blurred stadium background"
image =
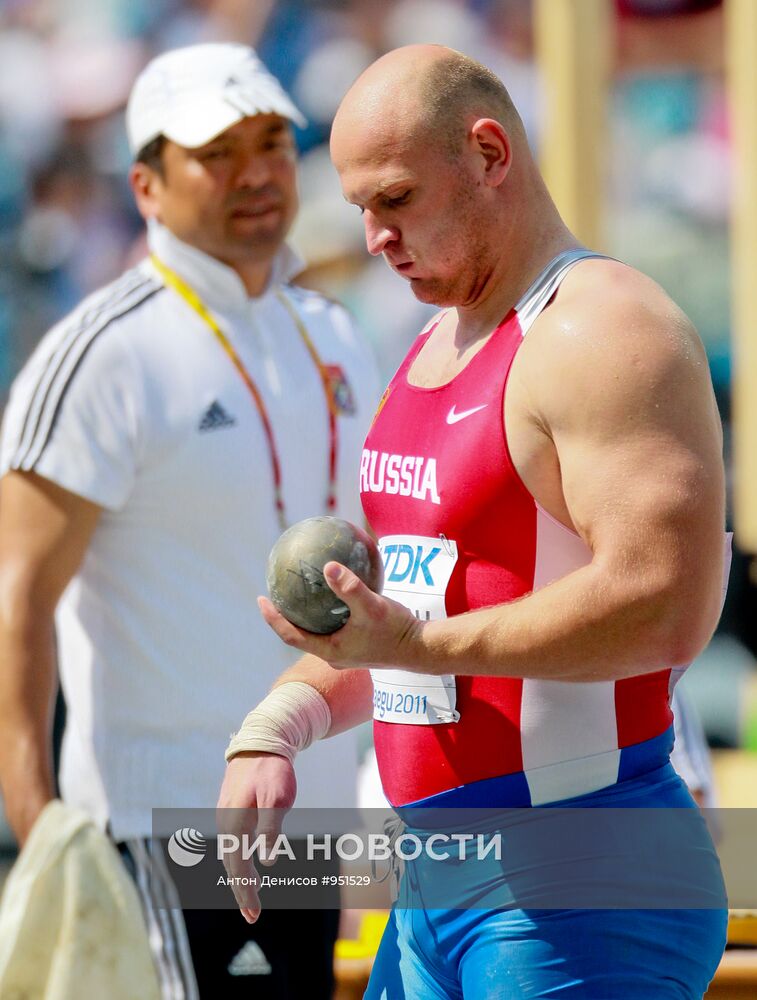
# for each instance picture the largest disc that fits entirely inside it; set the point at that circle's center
(68, 224)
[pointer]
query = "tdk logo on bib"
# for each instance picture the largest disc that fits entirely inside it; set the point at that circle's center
(417, 570)
(409, 563)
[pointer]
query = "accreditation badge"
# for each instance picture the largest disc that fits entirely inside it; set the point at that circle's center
(417, 571)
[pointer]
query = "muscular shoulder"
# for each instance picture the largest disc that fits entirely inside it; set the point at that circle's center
(612, 339)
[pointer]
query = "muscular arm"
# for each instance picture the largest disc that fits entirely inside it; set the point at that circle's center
(623, 394)
(44, 533)
(620, 392)
(349, 693)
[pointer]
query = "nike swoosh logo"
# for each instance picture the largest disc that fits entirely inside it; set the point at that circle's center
(452, 417)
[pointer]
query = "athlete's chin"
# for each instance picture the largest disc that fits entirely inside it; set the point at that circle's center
(433, 291)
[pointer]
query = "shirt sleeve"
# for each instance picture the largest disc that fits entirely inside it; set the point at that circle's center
(72, 416)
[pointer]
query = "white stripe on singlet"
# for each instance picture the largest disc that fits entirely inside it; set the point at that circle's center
(536, 297)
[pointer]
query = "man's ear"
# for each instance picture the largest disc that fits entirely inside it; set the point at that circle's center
(145, 183)
(492, 143)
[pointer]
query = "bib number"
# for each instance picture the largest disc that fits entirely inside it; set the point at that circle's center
(417, 570)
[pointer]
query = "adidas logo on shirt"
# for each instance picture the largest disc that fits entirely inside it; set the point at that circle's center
(215, 417)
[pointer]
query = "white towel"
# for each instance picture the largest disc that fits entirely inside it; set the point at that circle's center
(71, 927)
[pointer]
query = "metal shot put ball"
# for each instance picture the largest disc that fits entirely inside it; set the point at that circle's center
(295, 571)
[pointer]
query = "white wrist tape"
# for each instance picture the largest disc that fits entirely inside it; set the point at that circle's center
(288, 720)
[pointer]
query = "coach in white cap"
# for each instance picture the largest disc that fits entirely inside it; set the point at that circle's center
(155, 445)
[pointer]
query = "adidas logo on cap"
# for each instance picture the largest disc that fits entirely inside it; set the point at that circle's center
(215, 417)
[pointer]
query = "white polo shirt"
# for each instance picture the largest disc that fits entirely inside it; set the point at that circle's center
(132, 403)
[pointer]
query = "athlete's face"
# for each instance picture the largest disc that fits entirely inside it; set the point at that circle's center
(424, 211)
(235, 197)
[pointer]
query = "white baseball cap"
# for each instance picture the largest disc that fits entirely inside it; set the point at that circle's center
(191, 95)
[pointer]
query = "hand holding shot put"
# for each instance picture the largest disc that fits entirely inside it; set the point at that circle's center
(321, 599)
(324, 579)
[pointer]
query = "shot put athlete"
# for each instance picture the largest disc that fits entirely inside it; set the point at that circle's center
(544, 476)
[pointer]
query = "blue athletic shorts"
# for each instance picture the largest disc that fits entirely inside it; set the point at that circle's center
(524, 954)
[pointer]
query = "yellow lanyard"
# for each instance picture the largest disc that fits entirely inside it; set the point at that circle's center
(194, 301)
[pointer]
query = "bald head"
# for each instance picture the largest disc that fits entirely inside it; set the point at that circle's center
(428, 145)
(426, 92)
